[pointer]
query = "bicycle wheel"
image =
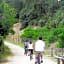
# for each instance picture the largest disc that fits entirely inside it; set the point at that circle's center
(38, 59)
(30, 56)
(26, 52)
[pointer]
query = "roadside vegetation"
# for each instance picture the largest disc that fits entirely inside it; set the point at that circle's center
(5, 52)
(46, 15)
(49, 35)
(7, 20)
(38, 18)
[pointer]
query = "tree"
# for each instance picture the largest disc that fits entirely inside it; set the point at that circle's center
(58, 20)
(8, 19)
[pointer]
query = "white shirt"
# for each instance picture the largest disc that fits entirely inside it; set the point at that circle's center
(30, 46)
(39, 46)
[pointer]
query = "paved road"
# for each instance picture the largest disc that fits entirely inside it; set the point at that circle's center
(20, 58)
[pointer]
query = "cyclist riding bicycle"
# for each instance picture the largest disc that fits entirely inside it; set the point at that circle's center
(26, 47)
(39, 48)
(30, 47)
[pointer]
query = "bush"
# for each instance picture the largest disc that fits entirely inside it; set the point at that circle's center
(49, 35)
(28, 33)
(33, 34)
(5, 54)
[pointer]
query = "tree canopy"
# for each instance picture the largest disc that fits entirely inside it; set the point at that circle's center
(7, 19)
(46, 14)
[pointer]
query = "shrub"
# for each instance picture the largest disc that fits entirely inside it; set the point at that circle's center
(28, 33)
(49, 35)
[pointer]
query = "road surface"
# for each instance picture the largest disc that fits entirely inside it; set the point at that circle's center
(20, 58)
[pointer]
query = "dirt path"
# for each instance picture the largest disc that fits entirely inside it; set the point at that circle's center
(20, 58)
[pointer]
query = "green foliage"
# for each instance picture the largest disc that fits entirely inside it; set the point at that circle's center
(30, 11)
(4, 55)
(47, 14)
(28, 33)
(60, 35)
(9, 14)
(37, 10)
(35, 33)
(49, 35)
(1, 43)
(17, 4)
(7, 19)
(12, 31)
(59, 18)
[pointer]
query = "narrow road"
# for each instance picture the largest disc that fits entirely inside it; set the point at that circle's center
(20, 58)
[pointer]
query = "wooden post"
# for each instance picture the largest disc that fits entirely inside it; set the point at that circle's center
(51, 52)
(56, 51)
(58, 61)
(62, 51)
(62, 61)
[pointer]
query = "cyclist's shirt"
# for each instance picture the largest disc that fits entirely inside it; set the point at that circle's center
(30, 46)
(39, 46)
(26, 43)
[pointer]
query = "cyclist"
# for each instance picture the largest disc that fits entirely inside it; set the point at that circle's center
(26, 47)
(30, 47)
(39, 48)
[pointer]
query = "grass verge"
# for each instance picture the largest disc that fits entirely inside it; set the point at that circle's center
(5, 54)
(16, 43)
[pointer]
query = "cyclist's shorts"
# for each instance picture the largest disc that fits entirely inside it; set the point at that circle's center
(31, 50)
(39, 52)
(25, 47)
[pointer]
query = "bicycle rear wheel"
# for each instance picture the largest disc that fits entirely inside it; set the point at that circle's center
(26, 52)
(38, 59)
(30, 55)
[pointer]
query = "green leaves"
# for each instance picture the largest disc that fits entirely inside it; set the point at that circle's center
(59, 18)
(28, 33)
(7, 19)
(9, 14)
(49, 35)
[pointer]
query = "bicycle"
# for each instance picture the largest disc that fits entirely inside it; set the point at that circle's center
(30, 55)
(38, 59)
(26, 50)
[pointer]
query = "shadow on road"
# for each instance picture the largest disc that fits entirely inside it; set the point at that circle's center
(2, 61)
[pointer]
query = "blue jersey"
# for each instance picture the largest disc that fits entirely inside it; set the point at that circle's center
(26, 43)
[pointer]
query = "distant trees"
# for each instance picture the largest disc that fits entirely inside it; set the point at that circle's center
(42, 9)
(57, 21)
(17, 4)
(47, 14)
(30, 10)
